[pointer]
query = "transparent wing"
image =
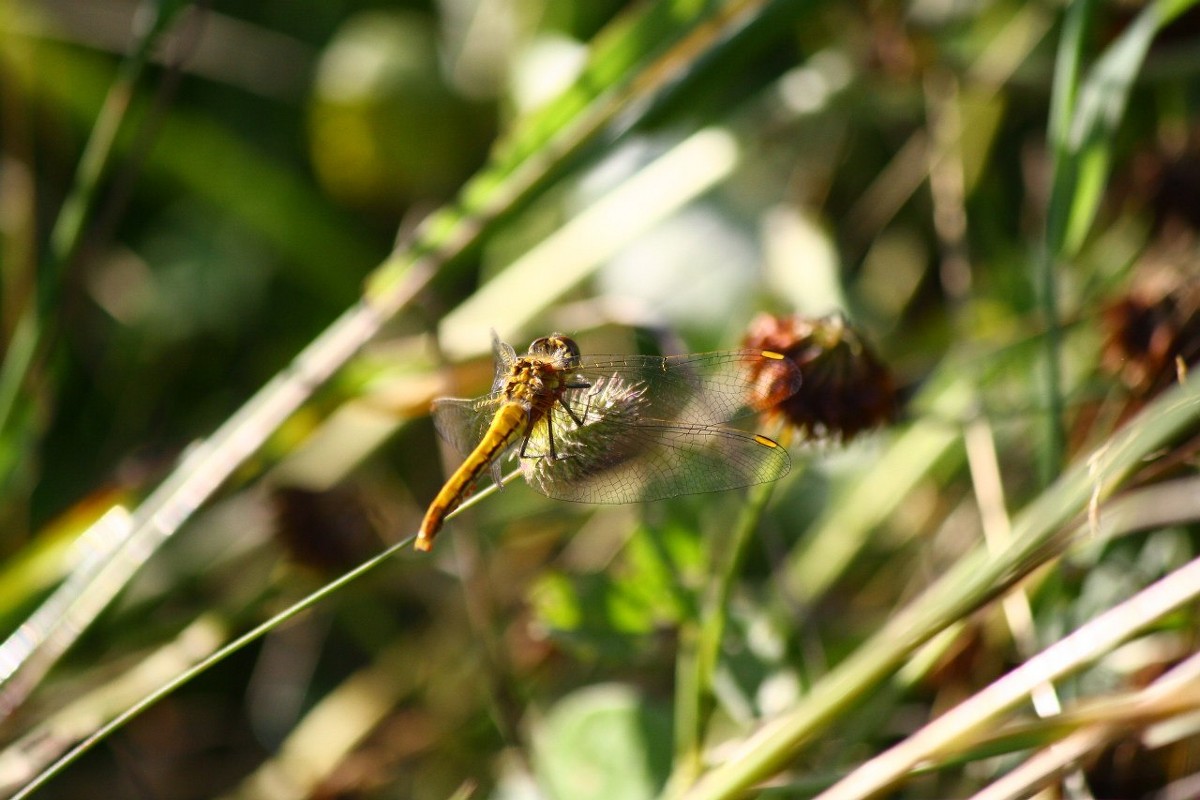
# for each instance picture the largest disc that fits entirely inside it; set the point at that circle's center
(699, 388)
(504, 356)
(619, 455)
(462, 423)
(640, 427)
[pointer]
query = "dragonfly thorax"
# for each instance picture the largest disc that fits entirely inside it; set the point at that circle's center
(540, 377)
(535, 383)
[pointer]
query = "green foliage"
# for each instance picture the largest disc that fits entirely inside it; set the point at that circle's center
(243, 247)
(603, 741)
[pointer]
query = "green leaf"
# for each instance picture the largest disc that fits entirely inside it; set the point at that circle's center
(603, 742)
(1085, 144)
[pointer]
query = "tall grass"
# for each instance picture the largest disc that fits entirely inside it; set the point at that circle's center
(210, 486)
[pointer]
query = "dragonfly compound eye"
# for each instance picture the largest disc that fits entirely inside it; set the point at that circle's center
(566, 349)
(558, 347)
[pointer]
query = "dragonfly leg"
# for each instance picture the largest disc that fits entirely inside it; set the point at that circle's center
(579, 421)
(553, 454)
(525, 443)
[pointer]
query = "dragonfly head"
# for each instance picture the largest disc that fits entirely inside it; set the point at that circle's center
(557, 348)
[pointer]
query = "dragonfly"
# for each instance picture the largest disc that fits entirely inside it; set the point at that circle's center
(614, 428)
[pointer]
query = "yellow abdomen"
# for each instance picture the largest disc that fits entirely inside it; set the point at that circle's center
(510, 424)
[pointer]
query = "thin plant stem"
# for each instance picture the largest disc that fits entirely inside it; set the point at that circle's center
(232, 647)
(1040, 532)
(700, 641)
(70, 225)
(1084, 119)
(1087, 643)
(1062, 106)
(29, 653)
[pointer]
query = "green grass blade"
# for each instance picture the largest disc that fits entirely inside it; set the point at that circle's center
(1084, 118)
(1084, 148)
(1038, 535)
(631, 63)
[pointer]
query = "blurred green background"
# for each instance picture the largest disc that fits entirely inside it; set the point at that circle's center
(1016, 238)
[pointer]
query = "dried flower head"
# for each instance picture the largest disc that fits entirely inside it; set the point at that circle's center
(1152, 339)
(1151, 333)
(845, 388)
(608, 409)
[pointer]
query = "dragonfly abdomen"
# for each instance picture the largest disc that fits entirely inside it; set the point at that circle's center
(510, 425)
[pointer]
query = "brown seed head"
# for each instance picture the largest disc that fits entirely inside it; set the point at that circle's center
(845, 388)
(1151, 332)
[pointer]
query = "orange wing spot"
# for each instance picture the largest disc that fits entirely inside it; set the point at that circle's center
(772, 354)
(763, 440)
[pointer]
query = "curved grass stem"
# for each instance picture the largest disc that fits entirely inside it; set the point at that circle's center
(223, 652)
